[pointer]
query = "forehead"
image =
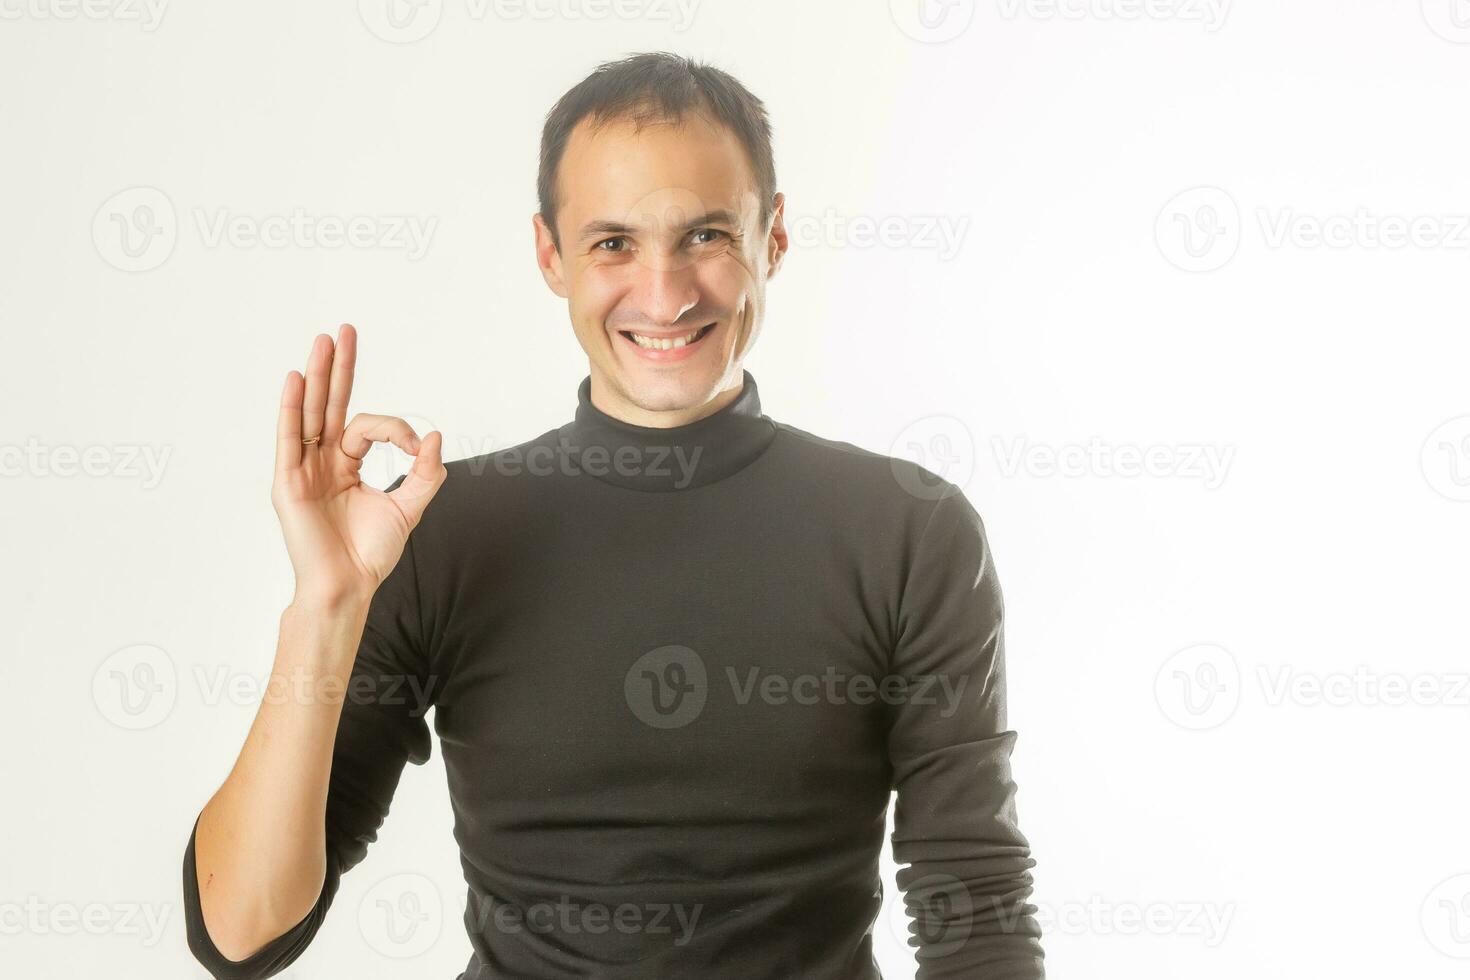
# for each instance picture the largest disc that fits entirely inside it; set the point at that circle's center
(606, 172)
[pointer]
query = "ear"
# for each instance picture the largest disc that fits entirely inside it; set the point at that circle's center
(777, 241)
(548, 257)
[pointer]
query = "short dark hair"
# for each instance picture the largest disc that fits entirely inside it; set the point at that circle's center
(657, 87)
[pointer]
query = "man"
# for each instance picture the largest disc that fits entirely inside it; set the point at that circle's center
(680, 654)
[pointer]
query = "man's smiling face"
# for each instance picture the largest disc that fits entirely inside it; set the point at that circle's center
(663, 263)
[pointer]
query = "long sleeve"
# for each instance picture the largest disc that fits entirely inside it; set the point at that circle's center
(968, 876)
(382, 727)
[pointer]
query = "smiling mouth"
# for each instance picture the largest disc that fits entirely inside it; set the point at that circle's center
(668, 343)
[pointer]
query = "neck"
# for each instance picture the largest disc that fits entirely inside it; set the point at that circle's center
(612, 403)
(724, 436)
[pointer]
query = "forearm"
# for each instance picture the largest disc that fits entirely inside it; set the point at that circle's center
(967, 876)
(260, 846)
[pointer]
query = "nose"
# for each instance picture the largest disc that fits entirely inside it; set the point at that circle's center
(667, 289)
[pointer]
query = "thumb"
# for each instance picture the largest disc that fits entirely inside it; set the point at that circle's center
(423, 480)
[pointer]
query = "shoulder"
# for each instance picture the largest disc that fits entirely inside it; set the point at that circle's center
(894, 484)
(487, 487)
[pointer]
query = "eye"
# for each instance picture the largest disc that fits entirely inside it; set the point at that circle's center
(707, 231)
(605, 244)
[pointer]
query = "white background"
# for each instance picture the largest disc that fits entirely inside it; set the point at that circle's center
(1182, 232)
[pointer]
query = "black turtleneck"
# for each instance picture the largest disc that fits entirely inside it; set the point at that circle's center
(643, 458)
(676, 675)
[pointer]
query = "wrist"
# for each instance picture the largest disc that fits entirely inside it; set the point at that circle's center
(321, 634)
(340, 605)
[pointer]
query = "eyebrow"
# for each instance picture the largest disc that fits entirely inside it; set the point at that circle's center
(598, 228)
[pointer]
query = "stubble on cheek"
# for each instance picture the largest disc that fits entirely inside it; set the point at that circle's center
(744, 313)
(743, 330)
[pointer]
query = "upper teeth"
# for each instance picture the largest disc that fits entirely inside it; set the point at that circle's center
(664, 343)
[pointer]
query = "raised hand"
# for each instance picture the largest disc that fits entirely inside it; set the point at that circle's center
(343, 536)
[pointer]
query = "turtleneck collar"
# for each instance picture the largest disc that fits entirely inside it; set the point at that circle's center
(679, 458)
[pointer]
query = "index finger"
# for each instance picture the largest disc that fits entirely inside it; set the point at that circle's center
(288, 423)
